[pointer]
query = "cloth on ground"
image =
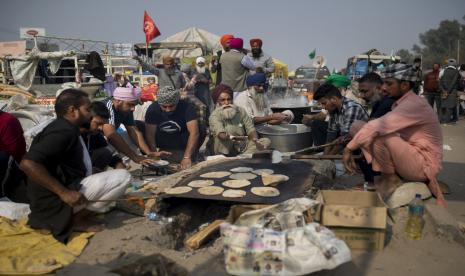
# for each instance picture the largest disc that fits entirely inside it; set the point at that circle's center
(27, 251)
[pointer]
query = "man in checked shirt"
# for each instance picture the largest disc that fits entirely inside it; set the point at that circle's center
(342, 113)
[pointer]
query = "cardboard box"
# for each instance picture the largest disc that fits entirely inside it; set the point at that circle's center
(358, 218)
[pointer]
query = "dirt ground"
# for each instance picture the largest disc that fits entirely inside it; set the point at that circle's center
(128, 237)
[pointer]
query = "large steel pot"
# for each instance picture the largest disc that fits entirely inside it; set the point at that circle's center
(286, 137)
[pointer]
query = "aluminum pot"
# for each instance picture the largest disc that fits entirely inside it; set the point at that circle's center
(286, 137)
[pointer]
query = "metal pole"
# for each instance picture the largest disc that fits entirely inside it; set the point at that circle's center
(458, 51)
(147, 50)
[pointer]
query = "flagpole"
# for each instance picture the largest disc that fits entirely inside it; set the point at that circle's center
(147, 50)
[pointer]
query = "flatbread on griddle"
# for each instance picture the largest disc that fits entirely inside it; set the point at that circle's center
(201, 183)
(265, 191)
(239, 176)
(219, 174)
(178, 190)
(263, 171)
(236, 183)
(269, 179)
(241, 170)
(234, 193)
(210, 190)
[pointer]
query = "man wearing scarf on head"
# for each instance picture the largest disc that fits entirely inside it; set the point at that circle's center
(406, 143)
(235, 66)
(172, 124)
(232, 130)
(256, 104)
(121, 107)
(201, 82)
(263, 62)
(169, 75)
(216, 66)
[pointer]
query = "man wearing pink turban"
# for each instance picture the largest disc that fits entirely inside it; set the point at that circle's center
(235, 66)
(121, 108)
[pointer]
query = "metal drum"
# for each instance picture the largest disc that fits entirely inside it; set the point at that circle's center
(286, 137)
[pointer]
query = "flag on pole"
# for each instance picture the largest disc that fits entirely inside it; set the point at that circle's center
(312, 54)
(150, 29)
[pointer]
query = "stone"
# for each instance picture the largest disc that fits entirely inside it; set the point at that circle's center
(405, 193)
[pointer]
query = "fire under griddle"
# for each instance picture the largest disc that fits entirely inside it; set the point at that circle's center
(300, 180)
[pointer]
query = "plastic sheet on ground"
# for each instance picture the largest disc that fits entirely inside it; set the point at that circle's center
(276, 241)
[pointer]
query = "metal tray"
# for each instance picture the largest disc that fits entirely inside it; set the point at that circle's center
(299, 172)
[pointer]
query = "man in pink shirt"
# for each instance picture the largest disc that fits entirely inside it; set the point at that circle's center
(406, 143)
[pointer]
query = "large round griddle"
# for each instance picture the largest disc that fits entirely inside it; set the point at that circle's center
(299, 172)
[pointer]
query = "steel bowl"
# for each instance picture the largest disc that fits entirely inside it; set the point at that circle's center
(286, 137)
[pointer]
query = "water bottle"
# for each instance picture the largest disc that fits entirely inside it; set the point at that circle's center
(415, 222)
(159, 218)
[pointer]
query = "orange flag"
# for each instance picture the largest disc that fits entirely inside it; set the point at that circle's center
(150, 29)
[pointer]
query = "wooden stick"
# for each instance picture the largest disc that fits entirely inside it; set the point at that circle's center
(321, 157)
(120, 199)
(195, 241)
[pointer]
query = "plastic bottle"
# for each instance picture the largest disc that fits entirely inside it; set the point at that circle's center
(415, 223)
(159, 218)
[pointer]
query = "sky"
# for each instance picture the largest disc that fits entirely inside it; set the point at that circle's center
(290, 29)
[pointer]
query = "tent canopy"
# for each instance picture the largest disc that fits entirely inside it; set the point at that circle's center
(209, 41)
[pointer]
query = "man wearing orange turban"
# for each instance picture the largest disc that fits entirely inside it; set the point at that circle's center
(263, 62)
(216, 66)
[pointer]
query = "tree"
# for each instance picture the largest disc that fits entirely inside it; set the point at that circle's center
(405, 55)
(438, 45)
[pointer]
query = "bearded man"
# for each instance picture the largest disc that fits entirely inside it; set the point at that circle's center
(216, 65)
(169, 75)
(232, 129)
(263, 62)
(255, 103)
(201, 82)
(405, 143)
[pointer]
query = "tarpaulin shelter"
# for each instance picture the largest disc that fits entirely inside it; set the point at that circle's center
(210, 43)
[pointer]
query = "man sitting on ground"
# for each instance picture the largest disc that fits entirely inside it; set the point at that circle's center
(92, 134)
(342, 113)
(255, 103)
(232, 129)
(121, 108)
(370, 89)
(59, 171)
(406, 142)
(171, 124)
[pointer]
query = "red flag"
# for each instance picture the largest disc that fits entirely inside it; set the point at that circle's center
(150, 29)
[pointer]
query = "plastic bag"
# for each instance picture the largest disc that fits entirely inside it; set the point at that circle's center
(276, 241)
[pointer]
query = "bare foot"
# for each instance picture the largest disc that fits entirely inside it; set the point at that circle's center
(386, 184)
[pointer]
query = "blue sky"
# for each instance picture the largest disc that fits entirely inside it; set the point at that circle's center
(290, 29)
